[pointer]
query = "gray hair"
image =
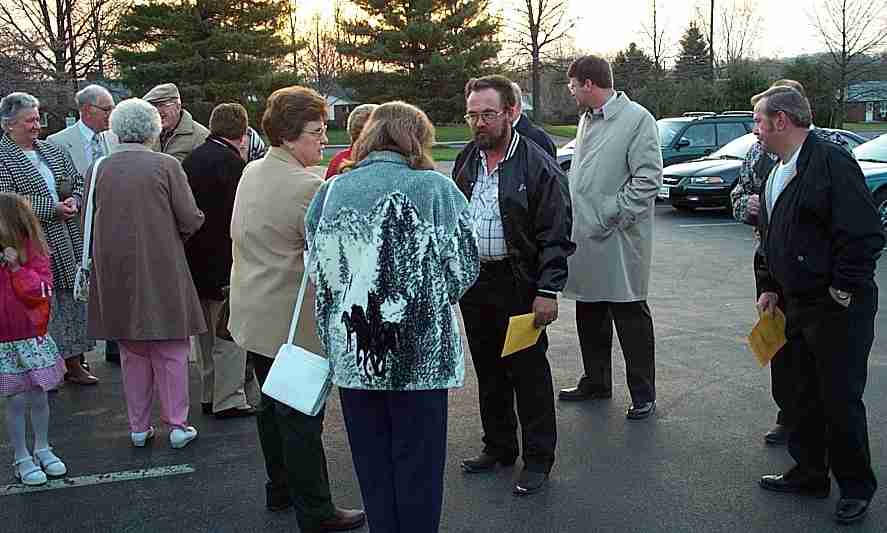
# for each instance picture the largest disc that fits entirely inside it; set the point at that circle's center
(518, 95)
(89, 95)
(13, 103)
(358, 119)
(135, 121)
(787, 100)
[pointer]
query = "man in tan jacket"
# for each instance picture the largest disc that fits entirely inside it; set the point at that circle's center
(616, 173)
(181, 133)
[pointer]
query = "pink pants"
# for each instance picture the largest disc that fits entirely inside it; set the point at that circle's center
(163, 365)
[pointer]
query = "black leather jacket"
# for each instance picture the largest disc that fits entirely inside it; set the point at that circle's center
(537, 217)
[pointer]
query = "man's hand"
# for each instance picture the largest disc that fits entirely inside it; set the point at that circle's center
(67, 209)
(767, 302)
(545, 310)
(754, 205)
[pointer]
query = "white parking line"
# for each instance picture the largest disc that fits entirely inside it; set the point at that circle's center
(99, 479)
(709, 225)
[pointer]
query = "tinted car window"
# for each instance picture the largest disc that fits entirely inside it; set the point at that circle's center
(729, 131)
(667, 131)
(874, 150)
(700, 135)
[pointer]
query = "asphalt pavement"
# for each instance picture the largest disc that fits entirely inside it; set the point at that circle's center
(693, 467)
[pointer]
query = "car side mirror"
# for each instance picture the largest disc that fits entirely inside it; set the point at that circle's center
(683, 143)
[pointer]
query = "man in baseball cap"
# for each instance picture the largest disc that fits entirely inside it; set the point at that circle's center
(181, 134)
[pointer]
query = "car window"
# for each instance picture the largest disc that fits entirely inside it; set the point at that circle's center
(851, 142)
(728, 131)
(668, 130)
(700, 135)
(737, 148)
(875, 150)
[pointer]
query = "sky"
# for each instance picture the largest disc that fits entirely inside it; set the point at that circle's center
(607, 26)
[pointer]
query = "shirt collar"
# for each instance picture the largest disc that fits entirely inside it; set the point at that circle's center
(87, 133)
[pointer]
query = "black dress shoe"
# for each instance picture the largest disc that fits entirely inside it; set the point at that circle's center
(235, 412)
(484, 463)
(851, 510)
(530, 482)
(206, 408)
(778, 435)
(799, 481)
(277, 498)
(578, 394)
(641, 411)
(344, 520)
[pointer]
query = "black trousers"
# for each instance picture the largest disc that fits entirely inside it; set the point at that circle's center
(294, 456)
(399, 445)
(784, 368)
(486, 308)
(634, 325)
(832, 432)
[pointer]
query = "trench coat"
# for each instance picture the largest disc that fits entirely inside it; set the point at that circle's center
(268, 234)
(614, 178)
(140, 284)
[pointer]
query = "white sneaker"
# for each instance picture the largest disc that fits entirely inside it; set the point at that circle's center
(139, 439)
(180, 437)
(50, 463)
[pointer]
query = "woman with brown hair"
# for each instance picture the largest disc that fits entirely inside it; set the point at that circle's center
(268, 234)
(394, 250)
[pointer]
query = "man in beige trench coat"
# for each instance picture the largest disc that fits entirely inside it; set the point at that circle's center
(615, 175)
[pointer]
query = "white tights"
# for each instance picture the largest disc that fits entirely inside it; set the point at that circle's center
(16, 406)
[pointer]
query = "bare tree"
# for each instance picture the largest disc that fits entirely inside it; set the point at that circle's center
(655, 34)
(740, 27)
(296, 43)
(535, 26)
(854, 33)
(319, 54)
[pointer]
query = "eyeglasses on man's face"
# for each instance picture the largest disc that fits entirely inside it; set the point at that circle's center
(106, 109)
(487, 116)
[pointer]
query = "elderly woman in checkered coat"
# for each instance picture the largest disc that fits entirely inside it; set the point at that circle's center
(46, 176)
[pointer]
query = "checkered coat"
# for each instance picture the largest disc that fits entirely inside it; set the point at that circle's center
(18, 175)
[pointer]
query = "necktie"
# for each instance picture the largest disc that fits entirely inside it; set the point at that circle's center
(97, 149)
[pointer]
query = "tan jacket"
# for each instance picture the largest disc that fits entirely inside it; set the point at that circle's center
(615, 176)
(187, 136)
(268, 232)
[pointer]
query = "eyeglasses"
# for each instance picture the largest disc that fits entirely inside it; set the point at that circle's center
(165, 105)
(105, 109)
(319, 132)
(487, 116)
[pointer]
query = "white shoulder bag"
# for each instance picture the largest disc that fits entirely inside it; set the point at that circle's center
(81, 278)
(299, 378)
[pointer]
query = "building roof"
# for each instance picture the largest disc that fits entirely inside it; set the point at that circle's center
(867, 91)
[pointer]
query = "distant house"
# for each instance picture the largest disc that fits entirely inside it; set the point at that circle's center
(339, 105)
(867, 101)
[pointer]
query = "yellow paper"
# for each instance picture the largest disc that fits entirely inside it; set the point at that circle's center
(768, 336)
(521, 334)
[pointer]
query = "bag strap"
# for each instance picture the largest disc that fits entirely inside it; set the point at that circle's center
(87, 230)
(297, 311)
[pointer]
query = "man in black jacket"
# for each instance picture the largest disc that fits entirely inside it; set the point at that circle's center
(821, 241)
(214, 169)
(529, 130)
(520, 206)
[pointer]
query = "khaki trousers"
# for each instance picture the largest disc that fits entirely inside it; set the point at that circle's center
(222, 364)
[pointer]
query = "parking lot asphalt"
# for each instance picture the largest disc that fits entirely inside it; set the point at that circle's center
(693, 467)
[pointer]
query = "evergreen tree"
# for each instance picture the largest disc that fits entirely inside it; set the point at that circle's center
(693, 61)
(344, 267)
(428, 48)
(632, 69)
(819, 88)
(386, 271)
(214, 50)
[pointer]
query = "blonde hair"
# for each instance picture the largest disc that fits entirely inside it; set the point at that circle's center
(397, 127)
(358, 119)
(19, 227)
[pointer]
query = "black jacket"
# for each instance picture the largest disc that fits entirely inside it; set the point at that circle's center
(214, 169)
(536, 134)
(824, 231)
(537, 218)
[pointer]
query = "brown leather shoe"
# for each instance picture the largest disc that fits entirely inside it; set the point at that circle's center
(84, 378)
(344, 520)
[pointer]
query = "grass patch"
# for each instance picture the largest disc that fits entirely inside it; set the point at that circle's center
(438, 153)
(865, 126)
(567, 131)
(442, 133)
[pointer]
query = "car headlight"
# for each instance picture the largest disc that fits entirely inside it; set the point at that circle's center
(706, 180)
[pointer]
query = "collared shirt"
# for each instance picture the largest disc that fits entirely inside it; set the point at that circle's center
(484, 207)
(779, 178)
(88, 136)
(600, 112)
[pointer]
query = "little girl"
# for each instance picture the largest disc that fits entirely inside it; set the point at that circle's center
(29, 360)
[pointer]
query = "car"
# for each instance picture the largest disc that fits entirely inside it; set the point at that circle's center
(872, 157)
(707, 182)
(694, 135)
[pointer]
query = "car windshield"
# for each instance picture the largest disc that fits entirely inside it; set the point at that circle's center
(735, 149)
(668, 129)
(874, 150)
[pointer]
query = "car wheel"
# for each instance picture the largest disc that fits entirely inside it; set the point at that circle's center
(881, 204)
